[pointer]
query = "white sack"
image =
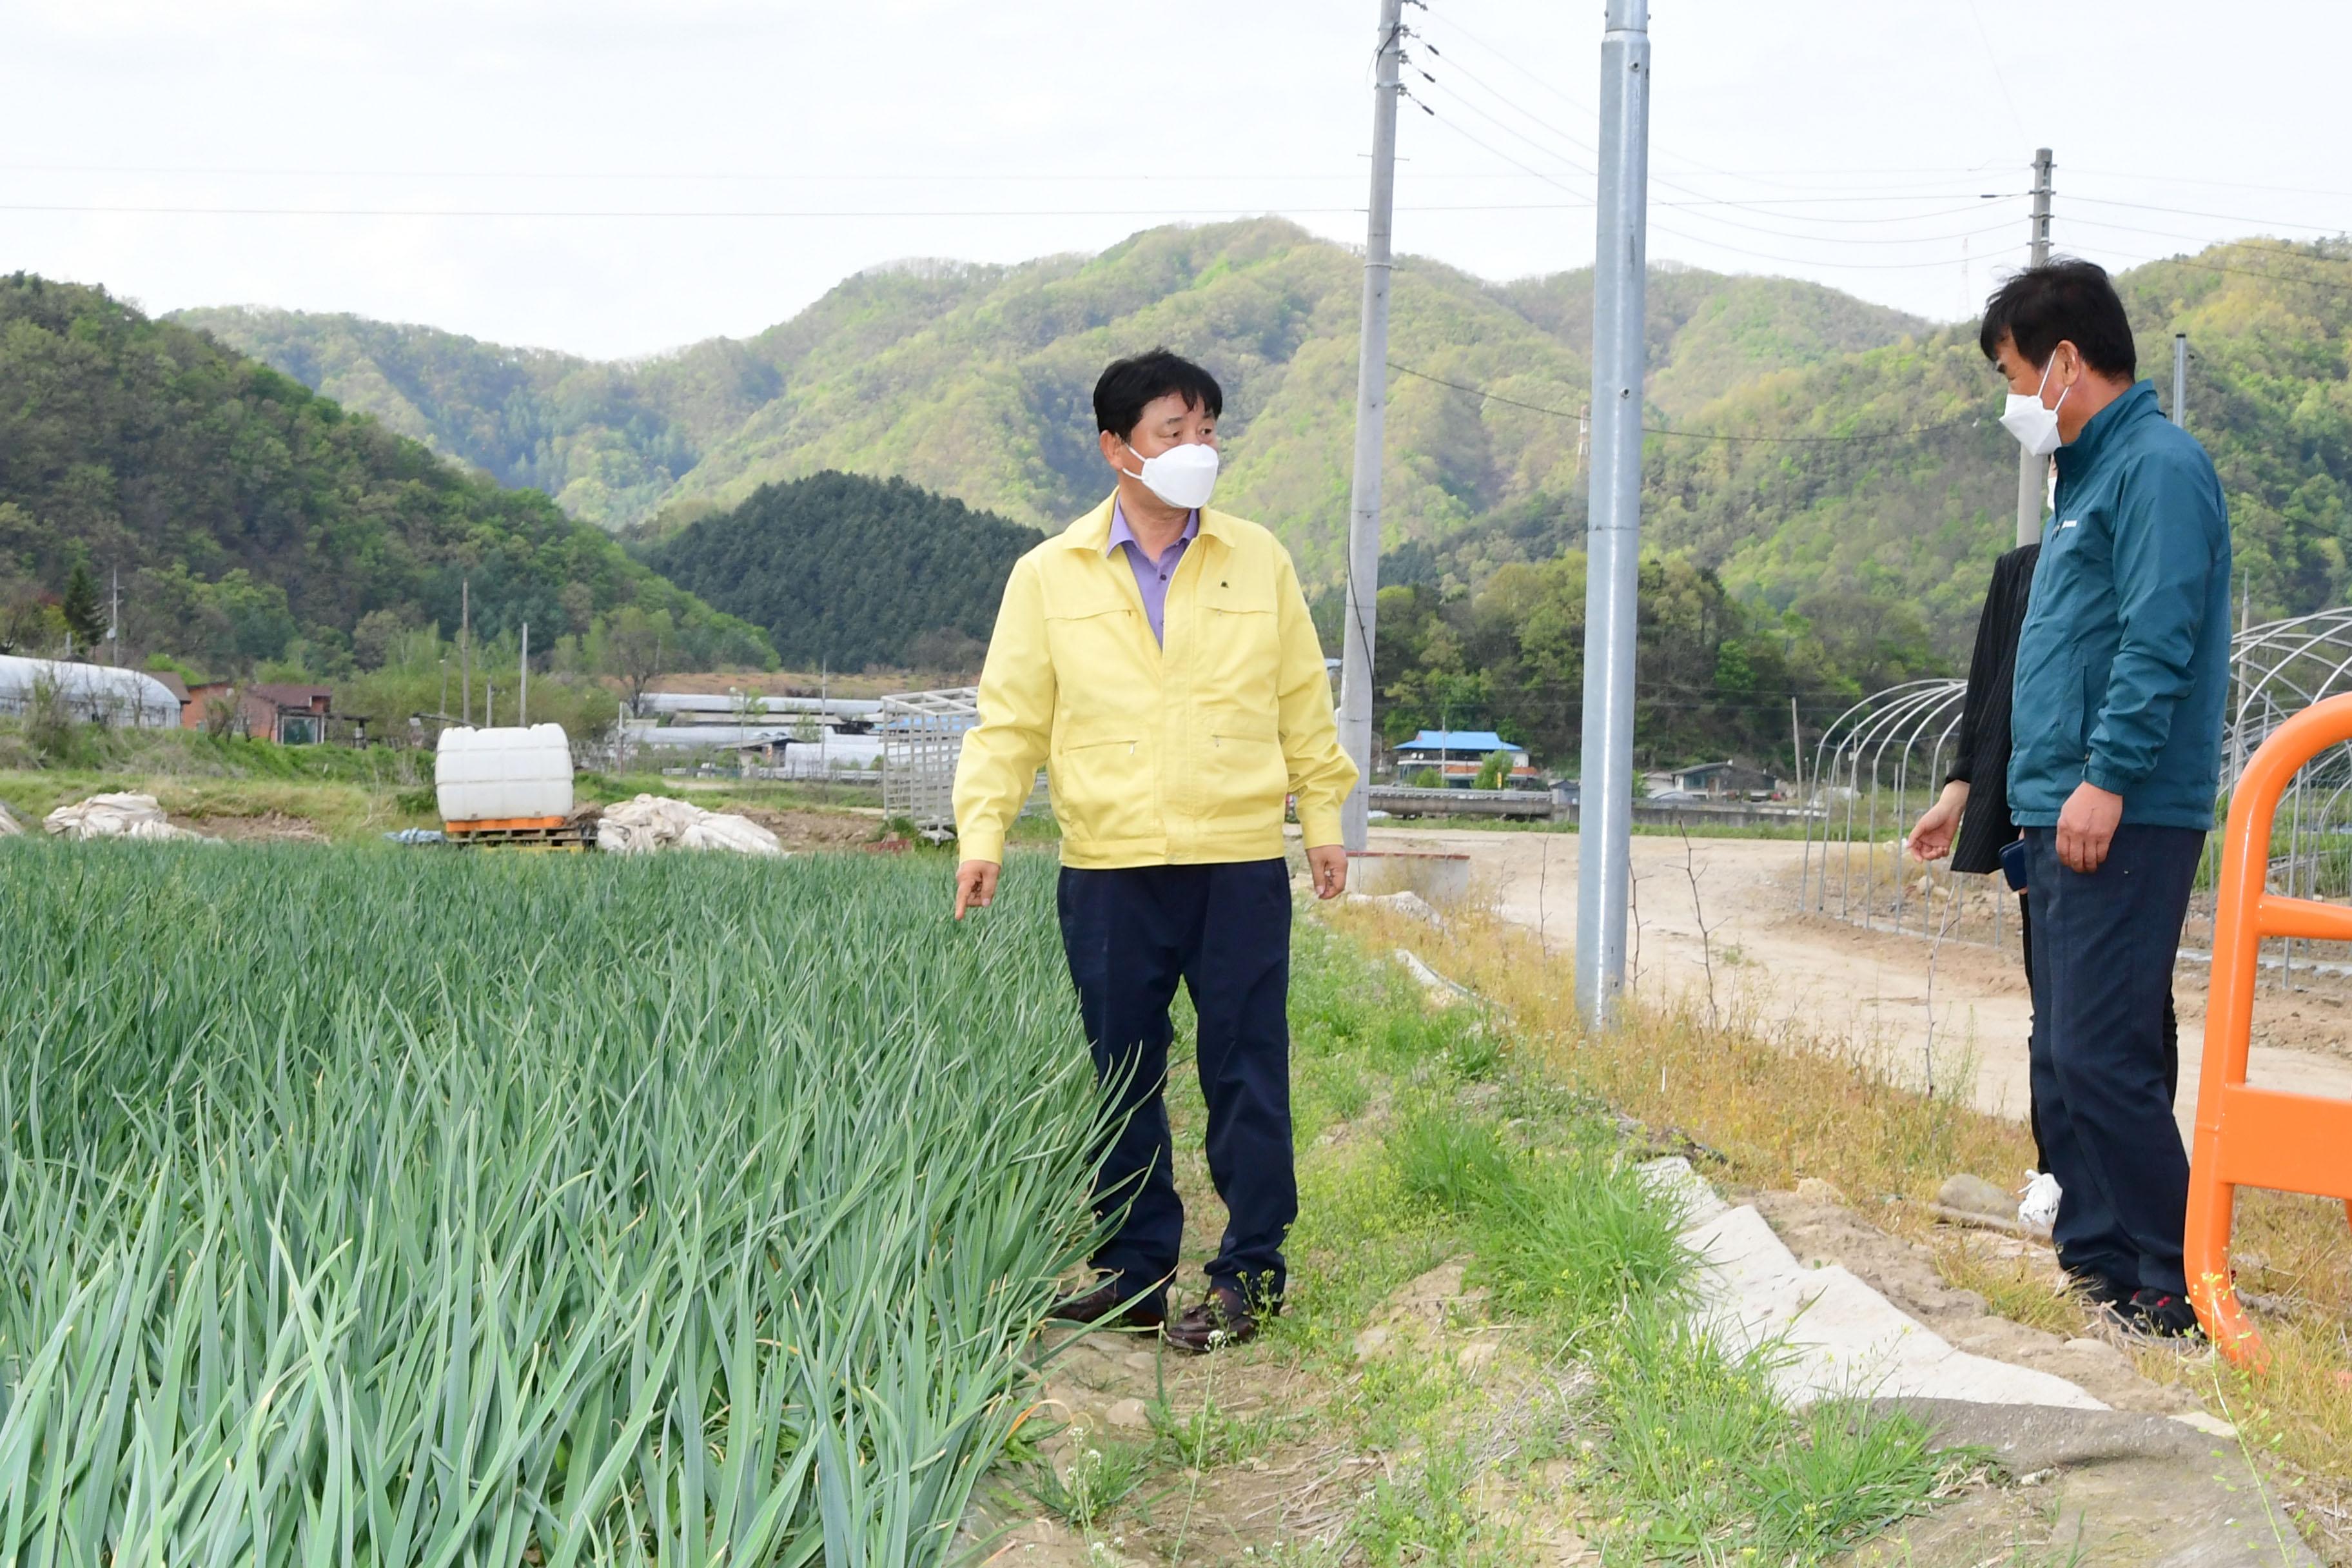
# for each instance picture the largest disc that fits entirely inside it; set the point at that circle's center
(114, 816)
(653, 822)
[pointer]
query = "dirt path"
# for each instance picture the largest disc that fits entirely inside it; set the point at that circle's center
(1819, 979)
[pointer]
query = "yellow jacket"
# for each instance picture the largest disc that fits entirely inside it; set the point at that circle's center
(1175, 755)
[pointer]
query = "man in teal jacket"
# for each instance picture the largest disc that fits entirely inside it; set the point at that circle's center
(2122, 672)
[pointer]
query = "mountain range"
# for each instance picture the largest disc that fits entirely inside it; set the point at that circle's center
(1808, 442)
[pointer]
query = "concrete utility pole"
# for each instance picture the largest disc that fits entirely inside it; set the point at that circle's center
(2031, 471)
(1614, 540)
(522, 679)
(1372, 407)
(2180, 380)
(466, 643)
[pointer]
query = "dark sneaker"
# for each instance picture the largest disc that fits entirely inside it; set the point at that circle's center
(2160, 1314)
(1111, 1305)
(1224, 1319)
(2097, 1289)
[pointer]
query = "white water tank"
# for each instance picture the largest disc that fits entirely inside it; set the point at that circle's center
(503, 775)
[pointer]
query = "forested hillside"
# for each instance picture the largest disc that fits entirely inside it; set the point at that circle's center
(252, 521)
(1870, 464)
(1917, 518)
(609, 442)
(848, 571)
(976, 381)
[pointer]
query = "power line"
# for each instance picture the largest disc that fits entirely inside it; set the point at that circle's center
(2208, 242)
(1724, 245)
(1807, 260)
(620, 212)
(1689, 435)
(1701, 195)
(2343, 286)
(1764, 205)
(2210, 184)
(2224, 217)
(1508, 131)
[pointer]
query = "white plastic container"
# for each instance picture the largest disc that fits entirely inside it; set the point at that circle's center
(503, 775)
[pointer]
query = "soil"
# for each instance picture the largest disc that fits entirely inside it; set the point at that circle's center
(1722, 912)
(264, 828)
(810, 829)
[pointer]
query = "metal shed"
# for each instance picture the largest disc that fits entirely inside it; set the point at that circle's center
(922, 741)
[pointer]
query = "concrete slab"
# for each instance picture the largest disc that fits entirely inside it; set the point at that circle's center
(1841, 1337)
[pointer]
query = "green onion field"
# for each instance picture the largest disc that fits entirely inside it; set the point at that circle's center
(417, 1208)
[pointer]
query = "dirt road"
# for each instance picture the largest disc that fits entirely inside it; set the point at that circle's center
(1814, 977)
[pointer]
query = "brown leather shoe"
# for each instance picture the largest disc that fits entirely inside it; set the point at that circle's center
(1109, 1306)
(1224, 1318)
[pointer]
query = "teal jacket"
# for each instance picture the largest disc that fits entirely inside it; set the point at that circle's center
(2123, 667)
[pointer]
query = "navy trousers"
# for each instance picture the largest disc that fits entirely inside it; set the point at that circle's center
(2103, 1078)
(1224, 931)
(2171, 1035)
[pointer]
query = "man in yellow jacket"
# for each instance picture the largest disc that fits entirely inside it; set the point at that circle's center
(1157, 658)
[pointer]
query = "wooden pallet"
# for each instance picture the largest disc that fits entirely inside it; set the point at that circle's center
(541, 835)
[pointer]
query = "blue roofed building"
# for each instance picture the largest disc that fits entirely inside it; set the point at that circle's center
(1456, 756)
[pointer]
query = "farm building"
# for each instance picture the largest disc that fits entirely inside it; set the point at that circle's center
(1458, 754)
(289, 715)
(1715, 780)
(89, 693)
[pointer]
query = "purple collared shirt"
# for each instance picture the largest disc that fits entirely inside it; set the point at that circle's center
(1151, 576)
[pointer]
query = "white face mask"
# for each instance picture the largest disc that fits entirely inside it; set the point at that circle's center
(2035, 427)
(1180, 476)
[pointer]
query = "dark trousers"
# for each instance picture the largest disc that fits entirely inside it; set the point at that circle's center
(2171, 1036)
(1224, 931)
(2103, 1078)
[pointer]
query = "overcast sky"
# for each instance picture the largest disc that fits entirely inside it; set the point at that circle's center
(431, 162)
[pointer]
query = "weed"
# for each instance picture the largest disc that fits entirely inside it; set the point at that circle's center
(1210, 1436)
(1095, 1483)
(1427, 1516)
(1449, 1159)
(1576, 1235)
(1398, 1399)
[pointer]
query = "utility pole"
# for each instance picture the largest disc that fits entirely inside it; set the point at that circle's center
(1371, 407)
(1797, 748)
(1613, 535)
(465, 646)
(2032, 470)
(114, 621)
(522, 680)
(2180, 380)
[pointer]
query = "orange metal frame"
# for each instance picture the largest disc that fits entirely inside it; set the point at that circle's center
(2249, 1137)
(503, 824)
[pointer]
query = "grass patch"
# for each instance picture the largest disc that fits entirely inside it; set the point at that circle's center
(1700, 1457)
(1778, 1107)
(1708, 1465)
(2011, 1287)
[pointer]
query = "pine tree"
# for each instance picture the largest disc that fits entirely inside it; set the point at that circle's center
(85, 617)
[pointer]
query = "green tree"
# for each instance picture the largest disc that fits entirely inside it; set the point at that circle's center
(638, 646)
(852, 571)
(85, 617)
